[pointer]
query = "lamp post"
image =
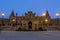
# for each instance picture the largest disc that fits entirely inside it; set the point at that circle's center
(16, 19)
(43, 14)
(46, 21)
(13, 22)
(3, 18)
(57, 14)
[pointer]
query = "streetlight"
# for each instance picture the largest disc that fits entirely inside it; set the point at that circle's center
(16, 19)
(43, 14)
(13, 20)
(3, 17)
(57, 14)
(46, 21)
(42, 21)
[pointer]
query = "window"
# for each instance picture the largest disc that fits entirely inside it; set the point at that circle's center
(20, 24)
(9, 24)
(3, 24)
(13, 24)
(0, 24)
(50, 24)
(35, 25)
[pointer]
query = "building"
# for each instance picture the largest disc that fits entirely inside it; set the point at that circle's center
(29, 22)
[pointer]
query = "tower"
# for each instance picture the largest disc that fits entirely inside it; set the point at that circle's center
(47, 14)
(47, 17)
(12, 16)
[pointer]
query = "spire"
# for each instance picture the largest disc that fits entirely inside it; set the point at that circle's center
(47, 13)
(12, 14)
(16, 14)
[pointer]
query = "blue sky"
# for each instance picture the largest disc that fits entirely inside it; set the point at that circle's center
(36, 6)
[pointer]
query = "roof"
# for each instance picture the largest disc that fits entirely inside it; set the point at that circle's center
(55, 20)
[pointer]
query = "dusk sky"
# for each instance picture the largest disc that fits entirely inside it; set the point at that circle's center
(36, 6)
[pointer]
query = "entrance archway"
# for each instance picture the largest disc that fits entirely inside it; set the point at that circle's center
(30, 25)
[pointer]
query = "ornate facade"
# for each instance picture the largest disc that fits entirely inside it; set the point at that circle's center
(29, 22)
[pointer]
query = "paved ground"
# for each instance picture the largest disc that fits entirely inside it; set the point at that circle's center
(46, 35)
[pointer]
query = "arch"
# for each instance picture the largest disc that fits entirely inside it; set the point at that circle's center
(30, 25)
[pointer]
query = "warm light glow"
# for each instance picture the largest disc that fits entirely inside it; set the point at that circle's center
(46, 20)
(43, 14)
(3, 14)
(57, 14)
(13, 20)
